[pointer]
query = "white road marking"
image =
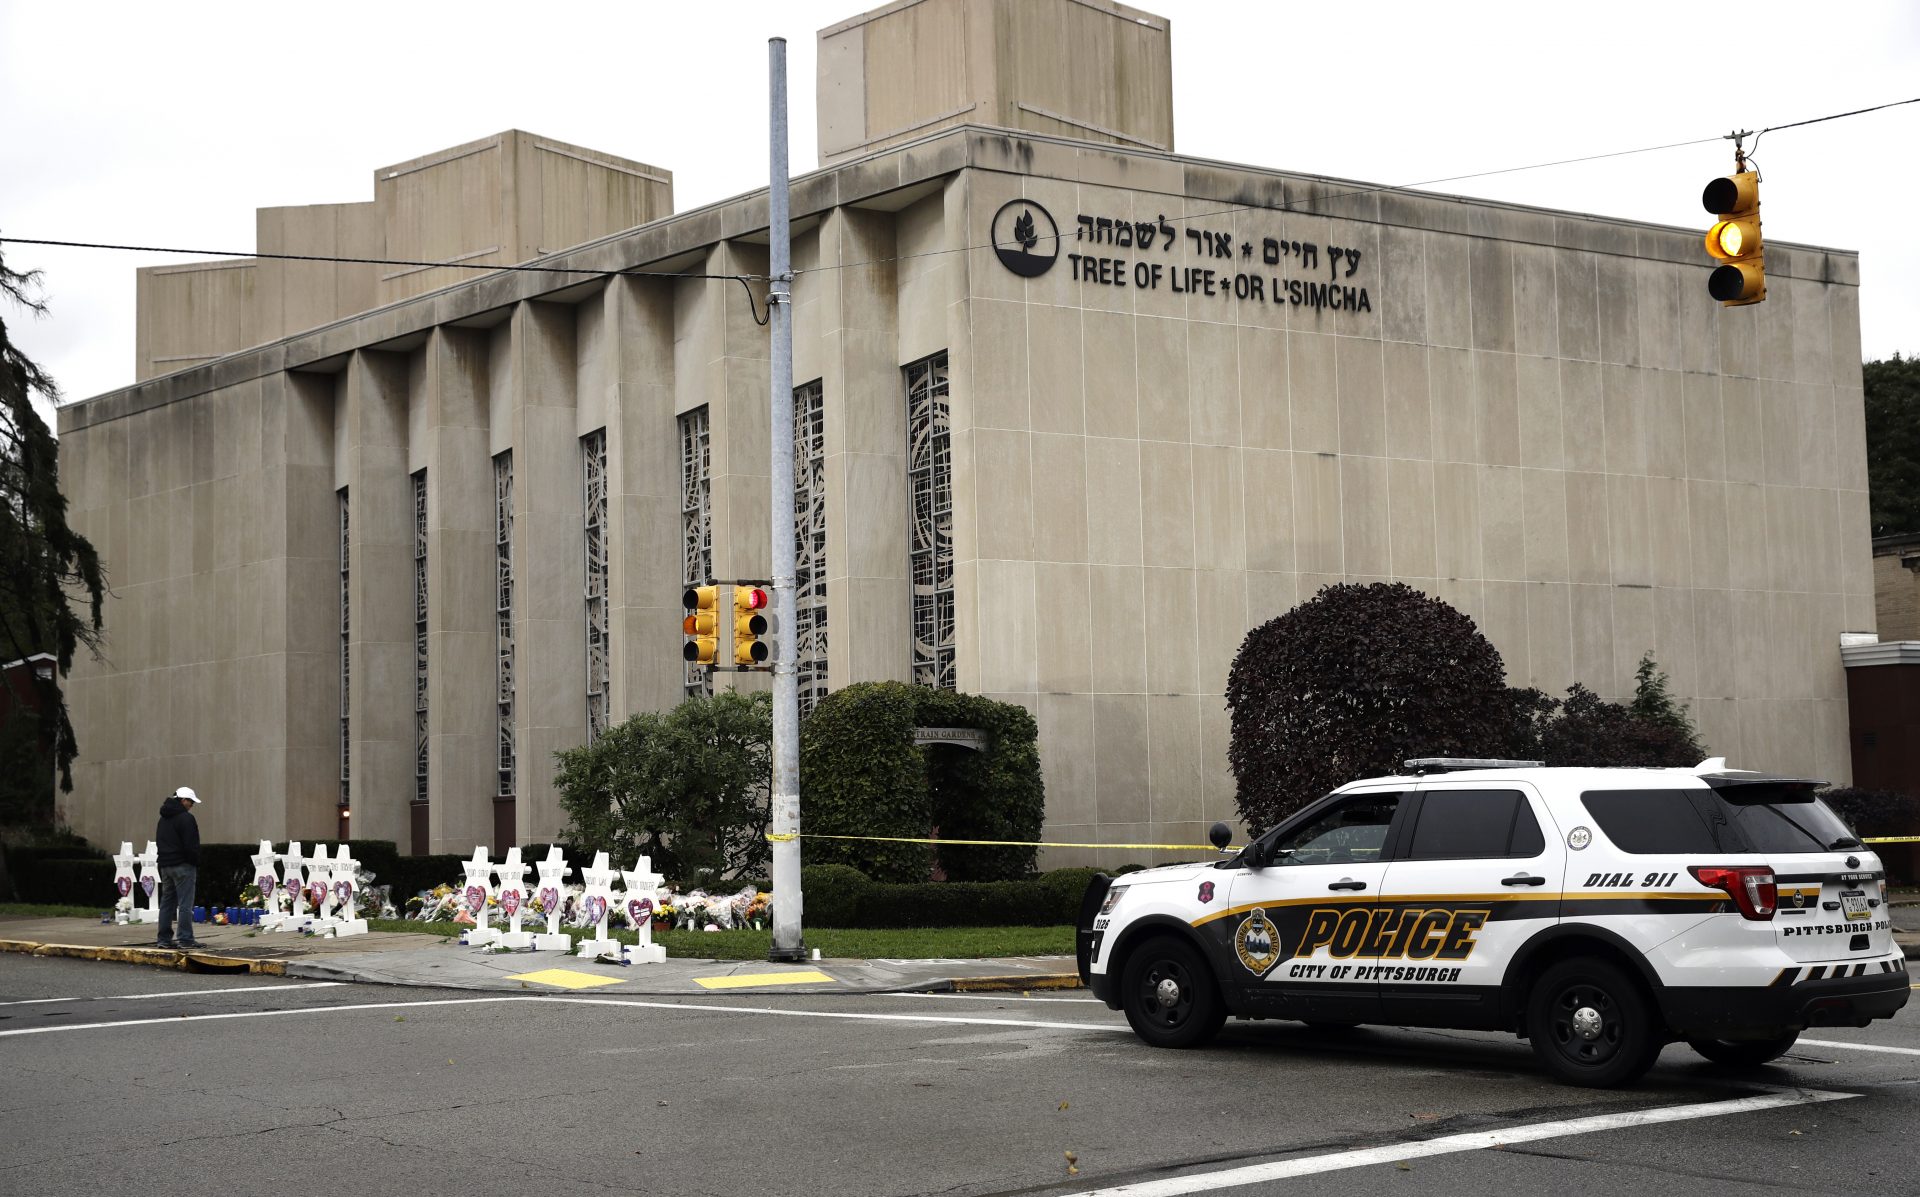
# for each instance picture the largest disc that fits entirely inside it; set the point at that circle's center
(142, 997)
(1453, 1144)
(573, 1001)
(988, 997)
(1860, 1047)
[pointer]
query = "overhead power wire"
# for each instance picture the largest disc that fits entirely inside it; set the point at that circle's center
(1291, 205)
(523, 267)
(746, 279)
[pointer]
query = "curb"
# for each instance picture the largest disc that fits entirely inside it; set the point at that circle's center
(194, 962)
(1014, 984)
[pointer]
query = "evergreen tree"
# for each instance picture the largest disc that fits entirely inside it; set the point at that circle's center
(42, 559)
(1893, 443)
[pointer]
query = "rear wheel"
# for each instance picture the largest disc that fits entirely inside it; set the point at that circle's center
(1591, 1024)
(1170, 996)
(1744, 1053)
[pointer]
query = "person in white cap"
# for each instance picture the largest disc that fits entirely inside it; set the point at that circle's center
(178, 838)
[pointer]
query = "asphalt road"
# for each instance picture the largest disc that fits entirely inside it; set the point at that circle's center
(113, 1077)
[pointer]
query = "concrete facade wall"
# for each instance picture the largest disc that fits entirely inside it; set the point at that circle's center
(1088, 69)
(1896, 589)
(1539, 417)
(501, 200)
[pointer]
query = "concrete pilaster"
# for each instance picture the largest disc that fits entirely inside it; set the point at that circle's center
(461, 712)
(549, 616)
(380, 594)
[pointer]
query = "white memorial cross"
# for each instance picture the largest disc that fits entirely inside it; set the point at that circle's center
(293, 887)
(320, 886)
(553, 878)
(598, 877)
(266, 878)
(123, 882)
(345, 875)
(474, 897)
(642, 898)
(512, 891)
(149, 863)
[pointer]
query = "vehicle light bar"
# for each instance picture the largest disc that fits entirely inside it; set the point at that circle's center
(1454, 764)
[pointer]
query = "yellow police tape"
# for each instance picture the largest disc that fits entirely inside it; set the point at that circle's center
(779, 837)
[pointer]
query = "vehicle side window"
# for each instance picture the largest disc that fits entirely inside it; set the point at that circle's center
(1354, 830)
(1650, 821)
(1475, 825)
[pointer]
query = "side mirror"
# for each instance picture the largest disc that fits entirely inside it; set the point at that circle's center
(1220, 835)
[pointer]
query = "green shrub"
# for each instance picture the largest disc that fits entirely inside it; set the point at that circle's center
(48, 880)
(832, 894)
(862, 775)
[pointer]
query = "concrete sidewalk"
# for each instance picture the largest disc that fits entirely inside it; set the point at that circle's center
(400, 958)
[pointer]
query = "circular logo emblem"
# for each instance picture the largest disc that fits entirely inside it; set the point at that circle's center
(1257, 943)
(1025, 239)
(1579, 838)
(1206, 892)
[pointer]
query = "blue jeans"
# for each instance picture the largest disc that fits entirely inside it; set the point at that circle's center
(176, 894)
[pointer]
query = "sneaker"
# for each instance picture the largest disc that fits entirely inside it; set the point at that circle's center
(189, 945)
(165, 945)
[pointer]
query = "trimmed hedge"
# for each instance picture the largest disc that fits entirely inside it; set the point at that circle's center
(841, 896)
(862, 775)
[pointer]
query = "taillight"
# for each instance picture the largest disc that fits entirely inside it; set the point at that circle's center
(1751, 887)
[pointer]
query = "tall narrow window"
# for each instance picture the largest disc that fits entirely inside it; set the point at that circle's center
(810, 543)
(696, 521)
(930, 495)
(593, 456)
(346, 671)
(503, 616)
(420, 636)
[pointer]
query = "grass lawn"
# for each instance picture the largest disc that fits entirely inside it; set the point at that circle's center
(920, 943)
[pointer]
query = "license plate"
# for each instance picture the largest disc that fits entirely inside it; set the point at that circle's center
(1854, 902)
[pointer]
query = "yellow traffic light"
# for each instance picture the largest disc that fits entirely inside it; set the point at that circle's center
(1734, 239)
(749, 624)
(701, 624)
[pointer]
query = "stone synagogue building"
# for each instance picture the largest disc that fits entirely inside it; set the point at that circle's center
(1073, 413)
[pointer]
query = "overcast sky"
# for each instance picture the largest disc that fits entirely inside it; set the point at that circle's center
(169, 124)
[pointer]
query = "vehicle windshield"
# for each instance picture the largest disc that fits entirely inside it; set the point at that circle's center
(1778, 819)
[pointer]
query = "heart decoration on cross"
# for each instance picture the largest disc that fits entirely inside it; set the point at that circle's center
(317, 893)
(147, 883)
(510, 902)
(343, 891)
(549, 900)
(639, 912)
(476, 898)
(266, 883)
(124, 885)
(596, 910)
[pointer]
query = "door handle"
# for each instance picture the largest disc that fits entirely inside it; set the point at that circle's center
(1524, 879)
(1347, 883)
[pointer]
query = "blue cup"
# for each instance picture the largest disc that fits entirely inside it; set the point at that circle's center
(199, 914)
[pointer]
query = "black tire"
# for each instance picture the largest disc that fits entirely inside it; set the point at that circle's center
(1744, 1053)
(1592, 1025)
(1170, 996)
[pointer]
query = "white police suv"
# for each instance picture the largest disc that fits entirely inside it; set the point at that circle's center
(1600, 913)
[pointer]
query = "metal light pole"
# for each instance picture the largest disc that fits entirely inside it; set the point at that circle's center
(786, 695)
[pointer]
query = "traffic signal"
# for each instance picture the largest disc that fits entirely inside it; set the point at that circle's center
(701, 624)
(1734, 239)
(749, 625)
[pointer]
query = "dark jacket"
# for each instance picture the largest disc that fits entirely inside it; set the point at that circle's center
(178, 836)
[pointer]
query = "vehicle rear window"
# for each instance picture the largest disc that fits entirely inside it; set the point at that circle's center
(1750, 818)
(1649, 821)
(1475, 824)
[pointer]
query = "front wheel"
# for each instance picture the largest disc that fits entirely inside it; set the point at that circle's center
(1592, 1025)
(1744, 1053)
(1170, 996)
